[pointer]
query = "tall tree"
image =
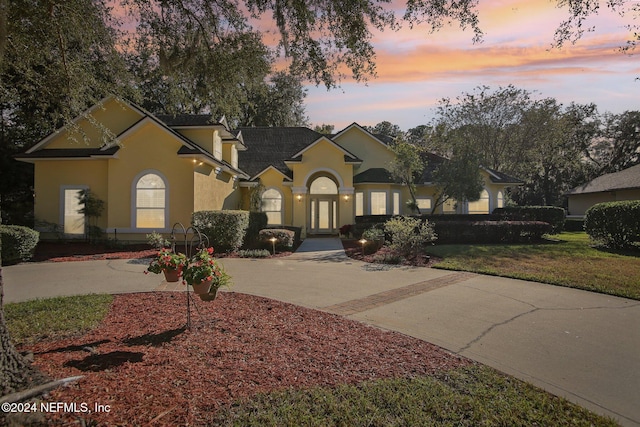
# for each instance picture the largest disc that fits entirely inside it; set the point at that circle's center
(406, 167)
(488, 119)
(458, 178)
(279, 102)
(617, 145)
(385, 128)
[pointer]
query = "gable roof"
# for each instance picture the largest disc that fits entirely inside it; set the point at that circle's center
(349, 157)
(382, 139)
(271, 146)
(626, 179)
(188, 148)
(187, 120)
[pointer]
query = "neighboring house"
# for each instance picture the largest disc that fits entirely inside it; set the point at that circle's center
(154, 171)
(612, 187)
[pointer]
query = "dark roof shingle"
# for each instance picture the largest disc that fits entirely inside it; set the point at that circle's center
(625, 179)
(271, 146)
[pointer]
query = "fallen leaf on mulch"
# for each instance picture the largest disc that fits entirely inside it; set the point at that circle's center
(147, 367)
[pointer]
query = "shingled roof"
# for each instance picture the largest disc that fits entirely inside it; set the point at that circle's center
(626, 179)
(271, 146)
(187, 119)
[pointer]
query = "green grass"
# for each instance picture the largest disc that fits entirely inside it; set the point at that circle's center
(470, 396)
(567, 259)
(55, 317)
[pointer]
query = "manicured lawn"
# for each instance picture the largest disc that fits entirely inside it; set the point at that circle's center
(566, 259)
(39, 319)
(469, 396)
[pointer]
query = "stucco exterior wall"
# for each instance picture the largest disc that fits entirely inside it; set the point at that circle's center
(214, 192)
(51, 177)
(149, 149)
(201, 136)
(114, 115)
(580, 203)
(371, 152)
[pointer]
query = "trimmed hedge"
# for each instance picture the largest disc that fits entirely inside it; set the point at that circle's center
(285, 238)
(257, 221)
(490, 231)
(572, 224)
(614, 224)
(550, 214)
(18, 243)
(225, 229)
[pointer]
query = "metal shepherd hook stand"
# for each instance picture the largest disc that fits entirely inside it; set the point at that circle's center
(198, 239)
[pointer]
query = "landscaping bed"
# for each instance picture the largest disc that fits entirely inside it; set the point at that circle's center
(353, 249)
(83, 251)
(148, 368)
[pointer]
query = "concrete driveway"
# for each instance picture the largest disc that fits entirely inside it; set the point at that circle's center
(576, 344)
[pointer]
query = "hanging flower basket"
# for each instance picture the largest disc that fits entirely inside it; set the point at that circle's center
(201, 288)
(210, 296)
(205, 275)
(169, 262)
(171, 275)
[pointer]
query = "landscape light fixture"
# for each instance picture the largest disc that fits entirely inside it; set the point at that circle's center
(273, 242)
(362, 242)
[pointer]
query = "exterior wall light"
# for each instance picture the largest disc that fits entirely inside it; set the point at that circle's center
(299, 197)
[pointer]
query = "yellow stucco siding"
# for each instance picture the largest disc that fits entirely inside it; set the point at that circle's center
(113, 115)
(326, 158)
(372, 153)
(51, 177)
(150, 149)
(202, 136)
(580, 203)
(214, 192)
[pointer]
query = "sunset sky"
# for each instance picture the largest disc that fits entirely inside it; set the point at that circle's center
(417, 69)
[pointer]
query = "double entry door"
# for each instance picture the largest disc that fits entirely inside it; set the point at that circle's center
(323, 214)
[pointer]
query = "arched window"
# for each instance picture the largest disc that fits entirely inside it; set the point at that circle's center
(323, 185)
(272, 206)
(500, 203)
(150, 201)
(480, 206)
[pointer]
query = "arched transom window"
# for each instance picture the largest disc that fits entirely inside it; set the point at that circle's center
(151, 201)
(272, 206)
(480, 206)
(323, 185)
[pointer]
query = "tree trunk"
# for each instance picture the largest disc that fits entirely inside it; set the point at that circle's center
(15, 372)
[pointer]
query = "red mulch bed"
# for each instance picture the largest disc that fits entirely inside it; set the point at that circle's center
(82, 251)
(353, 249)
(149, 369)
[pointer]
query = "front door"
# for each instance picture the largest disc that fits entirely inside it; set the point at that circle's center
(323, 214)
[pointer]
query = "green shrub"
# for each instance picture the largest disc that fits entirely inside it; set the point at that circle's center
(388, 258)
(18, 243)
(284, 238)
(257, 221)
(224, 229)
(490, 231)
(157, 241)
(374, 237)
(409, 236)
(614, 224)
(254, 253)
(550, 214)
(574, 224)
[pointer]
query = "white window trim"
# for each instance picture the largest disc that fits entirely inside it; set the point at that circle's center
(398, 208)
(355, 204)
(386, 199)
(281, 204)
(430, 199)
(134, 204)
(488, 204)
(61, 205)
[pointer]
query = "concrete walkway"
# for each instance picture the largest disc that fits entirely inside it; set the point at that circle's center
(580, 345)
